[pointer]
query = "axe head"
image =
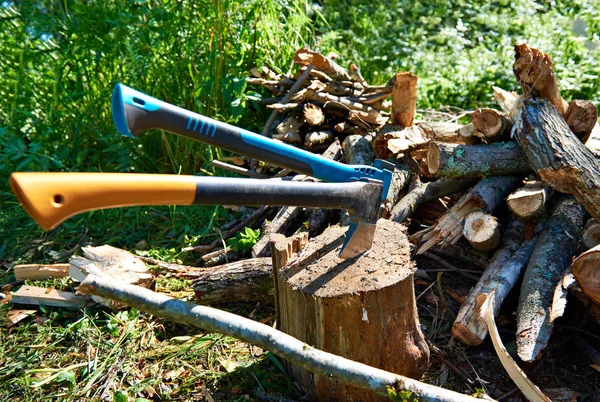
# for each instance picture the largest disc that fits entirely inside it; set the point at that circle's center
(359, 238)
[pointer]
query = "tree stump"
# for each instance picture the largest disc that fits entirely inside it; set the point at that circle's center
(363, 309)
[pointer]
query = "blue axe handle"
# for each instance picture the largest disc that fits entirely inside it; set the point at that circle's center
(135, 112)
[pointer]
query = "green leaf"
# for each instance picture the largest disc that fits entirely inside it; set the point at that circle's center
(66, 378)
(120, 396)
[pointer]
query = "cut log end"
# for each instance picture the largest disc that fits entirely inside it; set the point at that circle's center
(529, 200)
(591, 234)
(586, 269)
(313, 114)
(482, 231)
(433, 158)
(581, 117)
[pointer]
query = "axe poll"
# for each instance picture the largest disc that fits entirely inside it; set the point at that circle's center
(51, 198)
(135, 112)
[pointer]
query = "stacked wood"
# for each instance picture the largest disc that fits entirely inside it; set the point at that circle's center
(320, 102)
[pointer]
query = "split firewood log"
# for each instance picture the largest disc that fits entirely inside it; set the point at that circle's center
(506, 100)
(551, 257)
(482, 231)
(404, 99)
(500, 276)
(485, 195)
(557, 155)
(529, 200)
(591, 234)
(460, 161)
(586, 269)
(581, 117)
(533, 69)
(491, 125)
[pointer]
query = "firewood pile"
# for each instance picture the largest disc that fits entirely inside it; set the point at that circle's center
(515, 190)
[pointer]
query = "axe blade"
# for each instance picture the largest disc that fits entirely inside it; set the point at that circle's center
(359, 238)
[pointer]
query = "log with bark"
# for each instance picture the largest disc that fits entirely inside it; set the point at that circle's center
(586, 269)
(461, 161)
(363, 309)
(502, 273)
(482, 231)
(306, 57)
(551, 256)
(240, 281)
(556, 154)
(485, 195)
(490, 124)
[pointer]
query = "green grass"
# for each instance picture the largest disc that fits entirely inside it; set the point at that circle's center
(60, 61)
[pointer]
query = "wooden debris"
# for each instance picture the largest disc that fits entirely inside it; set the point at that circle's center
(292, 124)
(48, 297)
(529, 201)
(15, 316)
(502, 273)
(449, 132)
(506, 100)
(485, 195)
(240, 281)
(586, 269)
(460, 161)
(591, 234)
(404, 99)
(557, 155)
(482, 231)
(490, 124)
(40, 271)
(549, 261)
(318, 140)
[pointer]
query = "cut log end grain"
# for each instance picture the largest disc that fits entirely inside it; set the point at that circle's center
(529, 200)
(591, 234)
(482, 231)
(586, 269)
(490, 124)
(313, 114)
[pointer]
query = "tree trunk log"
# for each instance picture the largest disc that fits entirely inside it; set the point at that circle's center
(461, 161)
(529, 201)
(491, 125)
(404, 99)
(363, 309)
(482, 231)
(550, 259)
(557, 155)
(500, 275)
(357, 150)
(241, 281)
(581, 117)
(586, 269)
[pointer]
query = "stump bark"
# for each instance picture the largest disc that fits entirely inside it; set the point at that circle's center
(363, 309)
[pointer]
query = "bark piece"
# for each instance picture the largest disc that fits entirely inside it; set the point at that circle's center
(48, 297)
(586, 268)
(529, 201)
(500, 276)
(285, 346)
(40, 271)
(313, 114)
(482, 231)
(490, 124)
(557, 155)
(485, 195)
(363, 309)
(404, 99)
(424, 192)
(551, 257)
(241, 281)
(461, 161)
(306, 57)
(533, 69)
(591, 234)
(581, 117)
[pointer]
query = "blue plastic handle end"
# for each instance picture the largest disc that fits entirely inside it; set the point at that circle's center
(118, 110)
